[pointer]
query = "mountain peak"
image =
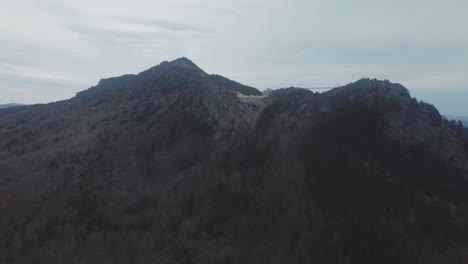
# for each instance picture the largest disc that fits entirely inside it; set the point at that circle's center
(184, 63)
(366, 87)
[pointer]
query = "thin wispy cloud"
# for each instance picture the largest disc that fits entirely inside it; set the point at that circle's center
(160, 23)
(420, 44)
(37, 73)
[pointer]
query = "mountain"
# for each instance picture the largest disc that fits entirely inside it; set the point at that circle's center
(174, 165)
(2, 106)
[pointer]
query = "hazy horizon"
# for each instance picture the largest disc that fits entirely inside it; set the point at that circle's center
(53, 49)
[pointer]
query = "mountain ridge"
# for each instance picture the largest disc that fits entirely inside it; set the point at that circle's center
(10, 105)
(182, 69)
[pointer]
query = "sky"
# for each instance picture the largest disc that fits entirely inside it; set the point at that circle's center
(51, 49)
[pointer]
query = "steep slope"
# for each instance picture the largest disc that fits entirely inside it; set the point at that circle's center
(174, 165)
(242, 89)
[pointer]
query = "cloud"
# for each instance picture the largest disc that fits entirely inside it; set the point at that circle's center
(119, 19)
(38, 73)
(107, 33)
(161, 23)
(32, 90)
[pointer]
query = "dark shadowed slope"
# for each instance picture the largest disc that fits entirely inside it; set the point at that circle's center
(173, 166)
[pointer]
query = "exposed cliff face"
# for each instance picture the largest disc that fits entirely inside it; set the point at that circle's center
(174, 165)
(404, 119)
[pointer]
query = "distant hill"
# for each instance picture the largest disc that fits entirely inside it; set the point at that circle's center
(9, 105)
(464, 119)
(174, 165)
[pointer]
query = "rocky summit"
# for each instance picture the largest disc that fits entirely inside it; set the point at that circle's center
(175, 165)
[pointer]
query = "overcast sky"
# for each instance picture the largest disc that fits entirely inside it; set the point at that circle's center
(51, 49)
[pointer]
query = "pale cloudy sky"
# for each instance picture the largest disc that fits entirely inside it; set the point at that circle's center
(51, 49)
